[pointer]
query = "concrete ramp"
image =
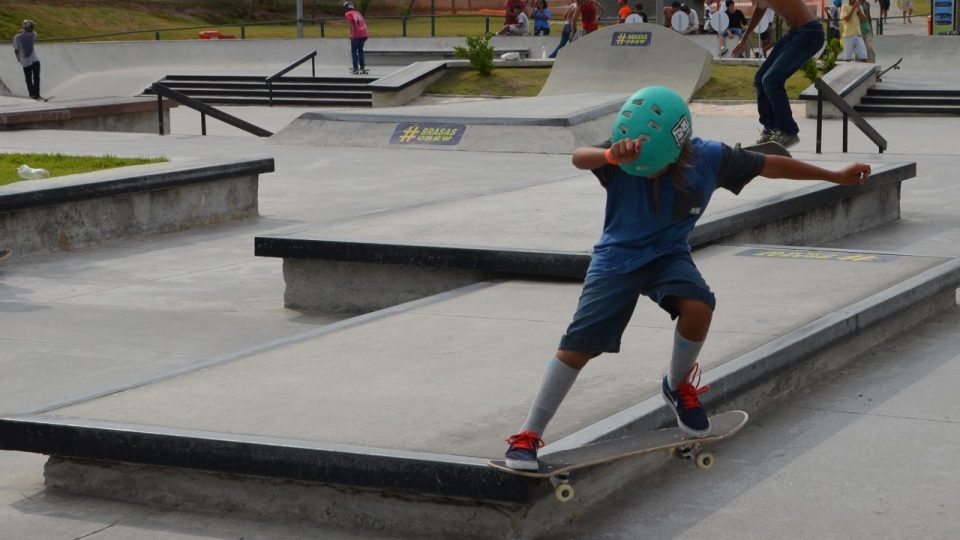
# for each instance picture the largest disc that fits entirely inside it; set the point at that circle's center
(928, 61)
(550, 125)
(623, 58)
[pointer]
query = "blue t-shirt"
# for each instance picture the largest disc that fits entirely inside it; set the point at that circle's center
(646, 219)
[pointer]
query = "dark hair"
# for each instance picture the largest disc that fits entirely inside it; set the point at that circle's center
(678, 169)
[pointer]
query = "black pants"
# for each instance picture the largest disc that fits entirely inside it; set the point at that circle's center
(32, 74)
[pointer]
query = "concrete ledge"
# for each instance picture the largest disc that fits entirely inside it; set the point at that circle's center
(348, 276)
(355, 486)
(132, 115)
(850, 80)
(408, 83)
(405, 55)
(84, 210)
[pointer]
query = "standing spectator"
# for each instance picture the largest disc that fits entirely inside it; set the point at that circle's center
(624, 12)
(853, 44)
(358, 37)
(866, 30)
(541, 19)
(833, 18)
(907, 11)
(790, 53)
(570, 19)
(590, 13)
(884, 8)
(23, 47)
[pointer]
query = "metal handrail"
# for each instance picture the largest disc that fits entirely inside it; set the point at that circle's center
(313, 70)
(849, 113)
(163, 91)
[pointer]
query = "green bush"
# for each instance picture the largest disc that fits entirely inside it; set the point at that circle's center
(479, 52)
(809, 69)
(830, 53)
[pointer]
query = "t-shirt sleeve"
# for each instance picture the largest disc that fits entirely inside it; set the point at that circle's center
(606, 173)
(738, 167)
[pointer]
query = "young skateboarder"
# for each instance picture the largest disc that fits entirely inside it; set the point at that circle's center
(358, 37)
(790, 53)
(659, 181)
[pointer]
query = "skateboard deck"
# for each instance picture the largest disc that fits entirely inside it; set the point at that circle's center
(4, 253)
(896, 65)
(556, 466)
(769, 148)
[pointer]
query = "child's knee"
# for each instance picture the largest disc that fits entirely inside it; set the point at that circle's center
(694, 310)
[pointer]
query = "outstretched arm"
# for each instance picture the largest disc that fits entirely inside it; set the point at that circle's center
(793, 169)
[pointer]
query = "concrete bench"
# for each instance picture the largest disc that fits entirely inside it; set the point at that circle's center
(83, 210)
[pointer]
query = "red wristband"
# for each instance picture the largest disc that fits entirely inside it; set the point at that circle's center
(608, 155)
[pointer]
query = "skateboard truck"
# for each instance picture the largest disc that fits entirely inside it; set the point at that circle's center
(562, 488)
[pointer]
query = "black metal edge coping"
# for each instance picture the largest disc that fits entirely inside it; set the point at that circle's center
(565, 265)
(574, 119)
(91, 189)
(342, 465)
(496, 261)
(741, 374)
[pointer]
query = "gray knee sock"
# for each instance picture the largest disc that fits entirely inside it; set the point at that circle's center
(556, 383)
(685, 354)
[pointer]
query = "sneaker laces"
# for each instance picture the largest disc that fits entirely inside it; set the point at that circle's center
(525, 439)
(690, 390)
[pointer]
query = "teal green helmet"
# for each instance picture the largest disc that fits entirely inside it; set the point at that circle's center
(661, 119)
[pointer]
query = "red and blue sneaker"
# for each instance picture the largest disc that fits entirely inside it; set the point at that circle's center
(685, 400)
(522, 454)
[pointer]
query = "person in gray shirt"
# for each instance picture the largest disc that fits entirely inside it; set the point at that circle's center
(23, 46)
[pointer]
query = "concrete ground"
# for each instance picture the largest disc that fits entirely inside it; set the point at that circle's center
(874, 440)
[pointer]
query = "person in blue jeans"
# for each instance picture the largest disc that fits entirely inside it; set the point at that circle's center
(801, 43)
(659, 179)
(570, 19)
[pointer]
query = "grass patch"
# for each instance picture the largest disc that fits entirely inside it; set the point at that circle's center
(62, 164)
(516, 82)
(736, 83)
(726, 83)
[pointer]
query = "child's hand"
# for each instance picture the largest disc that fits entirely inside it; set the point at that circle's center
(855, 173)
(625, 150)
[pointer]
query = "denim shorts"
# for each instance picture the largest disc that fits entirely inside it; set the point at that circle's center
(607, 302)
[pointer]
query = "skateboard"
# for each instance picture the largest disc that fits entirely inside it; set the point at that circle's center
(4, 253)
(769, 148)
(556, 467)
(359, 71)
(896, 65)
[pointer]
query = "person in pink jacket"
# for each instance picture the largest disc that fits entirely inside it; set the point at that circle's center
(358, 36)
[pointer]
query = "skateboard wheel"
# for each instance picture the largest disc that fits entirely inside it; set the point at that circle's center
(704, 461)
(564, 493)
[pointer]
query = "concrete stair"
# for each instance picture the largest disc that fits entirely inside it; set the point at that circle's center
(287, 91)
